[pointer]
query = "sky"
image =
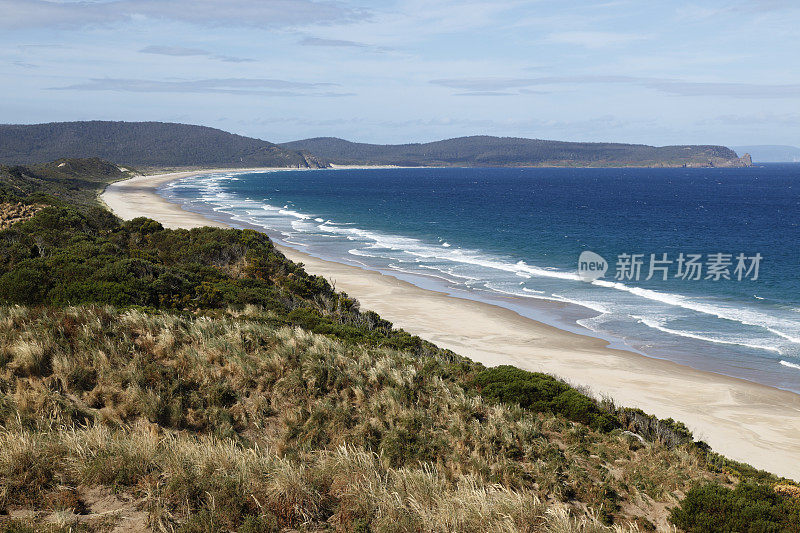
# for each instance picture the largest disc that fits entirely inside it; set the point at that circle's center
(663, 72)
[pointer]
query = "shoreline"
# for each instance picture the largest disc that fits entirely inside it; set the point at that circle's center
(744, 421)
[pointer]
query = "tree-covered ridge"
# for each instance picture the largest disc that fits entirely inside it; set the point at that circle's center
(143, 144)
(510, 151)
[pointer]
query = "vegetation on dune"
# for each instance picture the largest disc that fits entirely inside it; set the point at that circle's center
(74, 181)
(199, 381)
(233, 421)
(746, 508)
(543, 393)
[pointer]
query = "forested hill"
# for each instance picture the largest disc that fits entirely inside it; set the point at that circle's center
(511, 151)
(143, 144)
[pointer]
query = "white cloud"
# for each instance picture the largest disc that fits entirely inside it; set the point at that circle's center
(336, 43)
(17, 14)
(182, 51)
(664, 85)
(241, 86)
(594, 39)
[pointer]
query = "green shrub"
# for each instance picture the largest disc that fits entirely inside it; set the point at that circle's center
(24, 285)
(749, 508)
(542, 393)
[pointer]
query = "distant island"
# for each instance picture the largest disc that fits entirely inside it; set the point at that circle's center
(518, 152)
(162, 144)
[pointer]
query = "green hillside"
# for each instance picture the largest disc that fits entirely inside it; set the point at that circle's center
(143, 144)
(72, 180)
(510, 151)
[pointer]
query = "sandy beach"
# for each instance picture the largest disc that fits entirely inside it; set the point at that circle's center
(745, 421)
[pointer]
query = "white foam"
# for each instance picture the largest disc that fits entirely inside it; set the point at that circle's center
(594, 306)
(716, 340)
(742, 316)
(420, 249)
(449, 272)
(531, 290)
(360, 253)
(295, 214)
(397, 268)
(790, 365)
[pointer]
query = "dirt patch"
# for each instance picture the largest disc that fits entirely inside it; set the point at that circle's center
(127, 512)
(95, 508)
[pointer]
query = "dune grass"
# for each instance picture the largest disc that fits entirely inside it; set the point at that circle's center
(231, 423)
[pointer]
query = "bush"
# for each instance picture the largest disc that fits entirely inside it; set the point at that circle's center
(25, 285)
(749, 508)
(542, 393)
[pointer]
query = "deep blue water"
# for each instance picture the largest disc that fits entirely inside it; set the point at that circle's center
(489, 233)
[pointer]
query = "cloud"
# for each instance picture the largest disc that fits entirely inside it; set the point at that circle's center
(240, 86)
(750, 8)
(594, 39)
(496, 84)
(788, 119)
(39, 45)
(182, 51)
(19, 14)
(664, 85)
(770, 5)
(316, 41)
(232, 59)
(485, 84)
(341, 43)
(485, 93)
(733, 90)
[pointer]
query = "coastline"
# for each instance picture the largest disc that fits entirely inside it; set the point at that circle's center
(745, 421)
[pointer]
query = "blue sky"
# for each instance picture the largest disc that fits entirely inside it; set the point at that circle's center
(710, 72)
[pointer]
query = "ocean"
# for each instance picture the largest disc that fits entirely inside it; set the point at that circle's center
(727, 241)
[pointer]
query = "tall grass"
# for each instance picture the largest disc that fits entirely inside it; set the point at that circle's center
(229, 423)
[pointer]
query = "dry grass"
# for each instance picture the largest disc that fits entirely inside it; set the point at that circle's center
(230, 424)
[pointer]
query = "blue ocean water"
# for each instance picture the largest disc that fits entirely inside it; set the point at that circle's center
(513, 237)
